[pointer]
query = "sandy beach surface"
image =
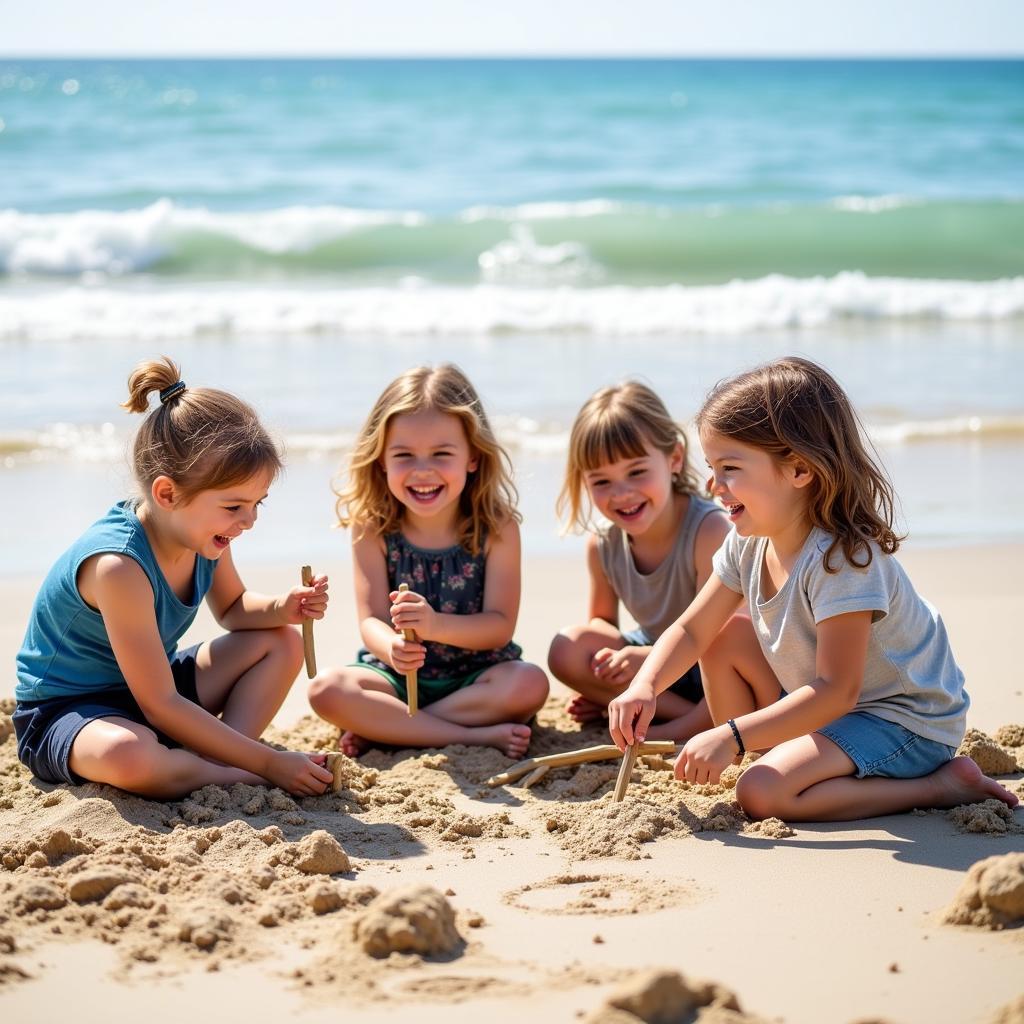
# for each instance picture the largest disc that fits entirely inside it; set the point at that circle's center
(540, 903)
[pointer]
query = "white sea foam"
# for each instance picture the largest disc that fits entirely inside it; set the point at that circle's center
(522, 260)
(873, 204)
(548, 439)
(122, 242)
(773, 302)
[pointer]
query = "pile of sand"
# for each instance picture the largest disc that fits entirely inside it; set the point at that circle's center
(992, 895)
(414, 919)
(666, 997)
(991, 817)
(994, 756)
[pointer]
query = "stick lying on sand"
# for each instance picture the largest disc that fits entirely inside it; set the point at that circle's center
(604, 752)
(625, 771)
(307, 628)
(411, 683)
(535, 776)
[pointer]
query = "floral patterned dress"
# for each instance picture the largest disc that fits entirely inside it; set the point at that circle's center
(452, 581)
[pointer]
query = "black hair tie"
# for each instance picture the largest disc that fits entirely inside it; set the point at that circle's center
(168, 393)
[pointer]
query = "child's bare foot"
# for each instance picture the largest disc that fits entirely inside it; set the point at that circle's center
(511, 738)
(583, 710)
(961, 781)
(352, 745)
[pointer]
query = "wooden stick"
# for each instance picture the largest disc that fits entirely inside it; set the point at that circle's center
(604, 752)
(411, 682)
(334, 763)
(535, 776)
(307, 628)
(625, 771)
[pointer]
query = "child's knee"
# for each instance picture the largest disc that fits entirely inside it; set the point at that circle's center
(759, 792)
(289, 642)
(130, 763)
(723, 647)
(329, 688)
(564, 653)
(531, 687)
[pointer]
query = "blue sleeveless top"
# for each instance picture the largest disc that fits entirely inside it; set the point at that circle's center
(66, 650)
(452, 581)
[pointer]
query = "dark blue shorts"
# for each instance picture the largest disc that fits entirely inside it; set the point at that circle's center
(46, 729)
(689, 686)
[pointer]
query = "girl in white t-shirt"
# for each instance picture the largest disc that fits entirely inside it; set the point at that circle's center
(843, 674)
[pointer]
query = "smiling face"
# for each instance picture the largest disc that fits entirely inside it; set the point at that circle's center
(426, 461)
(763, 496)
(635, 492)
(210, 521)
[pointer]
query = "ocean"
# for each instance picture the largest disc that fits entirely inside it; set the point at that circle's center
(302, 231)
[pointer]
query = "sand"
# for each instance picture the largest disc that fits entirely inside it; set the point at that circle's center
(418, 886)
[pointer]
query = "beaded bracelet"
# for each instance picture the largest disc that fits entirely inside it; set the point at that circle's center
(738, 737)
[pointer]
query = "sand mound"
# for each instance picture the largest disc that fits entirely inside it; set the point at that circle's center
(415, 919)
(666, 997)
(991, 816)
(992, 895)
(1011, 1013)
(1010, 736)
(987, 753)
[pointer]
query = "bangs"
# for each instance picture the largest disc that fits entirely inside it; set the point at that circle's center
(610, 439)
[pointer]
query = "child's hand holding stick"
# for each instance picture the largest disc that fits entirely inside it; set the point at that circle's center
(307, 628)
(411, 682)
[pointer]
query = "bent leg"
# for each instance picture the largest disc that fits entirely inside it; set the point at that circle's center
(570, 660)
(811, 779)
(513, 691)
(123, 753)
(245, 676)
(737, 678)
(364, 703)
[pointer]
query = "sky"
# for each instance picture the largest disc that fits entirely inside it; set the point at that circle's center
(758, 28)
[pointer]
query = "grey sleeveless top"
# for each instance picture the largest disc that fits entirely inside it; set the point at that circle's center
(658, 598)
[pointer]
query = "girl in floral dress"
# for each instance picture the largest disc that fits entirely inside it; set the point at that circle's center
(430, 502)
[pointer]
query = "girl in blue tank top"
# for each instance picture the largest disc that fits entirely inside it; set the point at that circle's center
(103, 693)
(431, 504)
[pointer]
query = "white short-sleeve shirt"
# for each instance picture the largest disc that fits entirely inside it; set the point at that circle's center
(910, 676)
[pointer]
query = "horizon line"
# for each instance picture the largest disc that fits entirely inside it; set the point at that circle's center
(425, 57)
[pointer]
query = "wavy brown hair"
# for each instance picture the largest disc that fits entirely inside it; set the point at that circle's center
(488, 501)
(202, 438)
(618, 422)
(794, 409)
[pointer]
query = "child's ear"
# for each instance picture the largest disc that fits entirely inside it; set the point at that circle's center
(801, 473)
(677, 459)
(474, 461)
(164, 492)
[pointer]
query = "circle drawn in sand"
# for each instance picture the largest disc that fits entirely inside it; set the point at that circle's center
(601, 895)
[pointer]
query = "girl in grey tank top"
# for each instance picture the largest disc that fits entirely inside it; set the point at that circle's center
(628, 461)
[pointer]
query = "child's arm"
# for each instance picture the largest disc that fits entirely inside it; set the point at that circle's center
(488, 629)
(711, 534)
(622, 665)
(604, 602)
(842, 647)
(373, 606)
(678, 649)
(117, 586)
(234, 607)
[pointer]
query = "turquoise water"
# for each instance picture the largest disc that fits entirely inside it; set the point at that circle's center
(303, 230)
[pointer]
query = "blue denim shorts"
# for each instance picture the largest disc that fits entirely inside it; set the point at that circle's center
(689, 686)
(880, 747)
(47, 729)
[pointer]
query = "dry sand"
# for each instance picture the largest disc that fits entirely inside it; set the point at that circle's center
(418, 888)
